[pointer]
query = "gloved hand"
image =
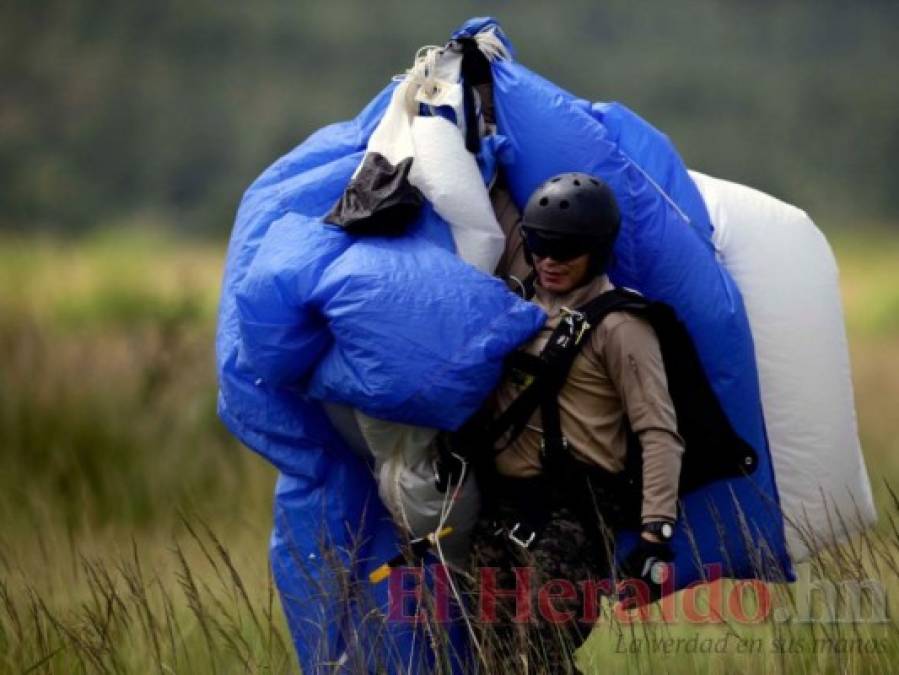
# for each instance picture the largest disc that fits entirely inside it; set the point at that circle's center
(648, 563)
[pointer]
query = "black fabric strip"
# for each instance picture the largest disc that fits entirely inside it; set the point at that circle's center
(379, 200)
(475, 71)
(472, 133)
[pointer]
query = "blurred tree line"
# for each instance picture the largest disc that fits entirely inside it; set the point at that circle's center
(111, 111)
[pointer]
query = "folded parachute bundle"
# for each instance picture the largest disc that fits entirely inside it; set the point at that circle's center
(358, 281)
(388, 328)
(788, 277)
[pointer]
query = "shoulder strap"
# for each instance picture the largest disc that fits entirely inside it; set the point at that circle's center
(576, 326)
(559, 354)
(714, 450)
(550, 369)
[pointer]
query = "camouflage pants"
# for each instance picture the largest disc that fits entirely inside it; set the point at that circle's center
(557, 578)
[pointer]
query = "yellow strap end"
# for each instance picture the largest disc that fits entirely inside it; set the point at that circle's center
(378, 575)
(381, 573)
(445, 531)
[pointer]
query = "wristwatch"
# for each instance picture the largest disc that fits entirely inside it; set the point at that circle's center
(660, 528)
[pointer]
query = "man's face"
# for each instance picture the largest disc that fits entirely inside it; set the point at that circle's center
(562, 277)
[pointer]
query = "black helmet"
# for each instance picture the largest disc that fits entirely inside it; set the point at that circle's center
(575, 209)
(573, 203)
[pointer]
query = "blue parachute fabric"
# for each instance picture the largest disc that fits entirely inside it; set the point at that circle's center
(280, 422)
(337, 308)
(664, 251)
(372, 322)
(326, 501)
(287, 337)
(323, 532)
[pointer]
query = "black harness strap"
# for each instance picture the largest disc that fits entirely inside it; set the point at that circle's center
(548, 372)
(512, 421)
(561, 350)
(565, 481)
(714, 450)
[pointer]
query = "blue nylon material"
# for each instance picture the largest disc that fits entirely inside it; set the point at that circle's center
(322, 486)
(308, 312)
(664, 251)
(372, 322)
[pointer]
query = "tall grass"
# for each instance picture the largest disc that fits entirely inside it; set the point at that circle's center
(133, 529)
(195, 609)
(107, 389)
(119, 612)
(107, 432)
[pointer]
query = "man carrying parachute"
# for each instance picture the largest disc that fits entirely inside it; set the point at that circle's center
(379, 320)
(595, 371)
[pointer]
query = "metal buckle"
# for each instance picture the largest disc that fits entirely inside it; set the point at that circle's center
(576, 321)
(521, 542)
(585, 326)
(570, 314)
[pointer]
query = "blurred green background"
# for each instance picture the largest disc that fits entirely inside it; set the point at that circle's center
(166, 110)
(128, 132)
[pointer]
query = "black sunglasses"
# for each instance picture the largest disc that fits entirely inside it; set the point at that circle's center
(561, 248)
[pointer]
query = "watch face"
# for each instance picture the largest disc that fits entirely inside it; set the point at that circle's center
(667, 530)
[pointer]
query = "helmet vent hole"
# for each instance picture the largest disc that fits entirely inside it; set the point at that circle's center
(577, 182)
(544, 201)
(595, 182)
(563, 204)
(556, 179)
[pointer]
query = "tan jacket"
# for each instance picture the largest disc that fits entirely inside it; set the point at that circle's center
(617, 377)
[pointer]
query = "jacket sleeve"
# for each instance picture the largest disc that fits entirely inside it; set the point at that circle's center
(512, 263)
(634, 360)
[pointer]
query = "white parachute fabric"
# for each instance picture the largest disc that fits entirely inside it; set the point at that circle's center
(404, 469)
(449, 177)
(445, 172)
(442, 168)
(788, 277)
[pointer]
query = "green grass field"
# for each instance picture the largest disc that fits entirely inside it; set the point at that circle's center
(134, 529)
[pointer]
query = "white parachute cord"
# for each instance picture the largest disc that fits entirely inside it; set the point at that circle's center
(445, 511)
(491, 46)
(422, 56)
(422, 75)
(399, 507)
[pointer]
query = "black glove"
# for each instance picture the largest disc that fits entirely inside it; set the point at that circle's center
(647, 563)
